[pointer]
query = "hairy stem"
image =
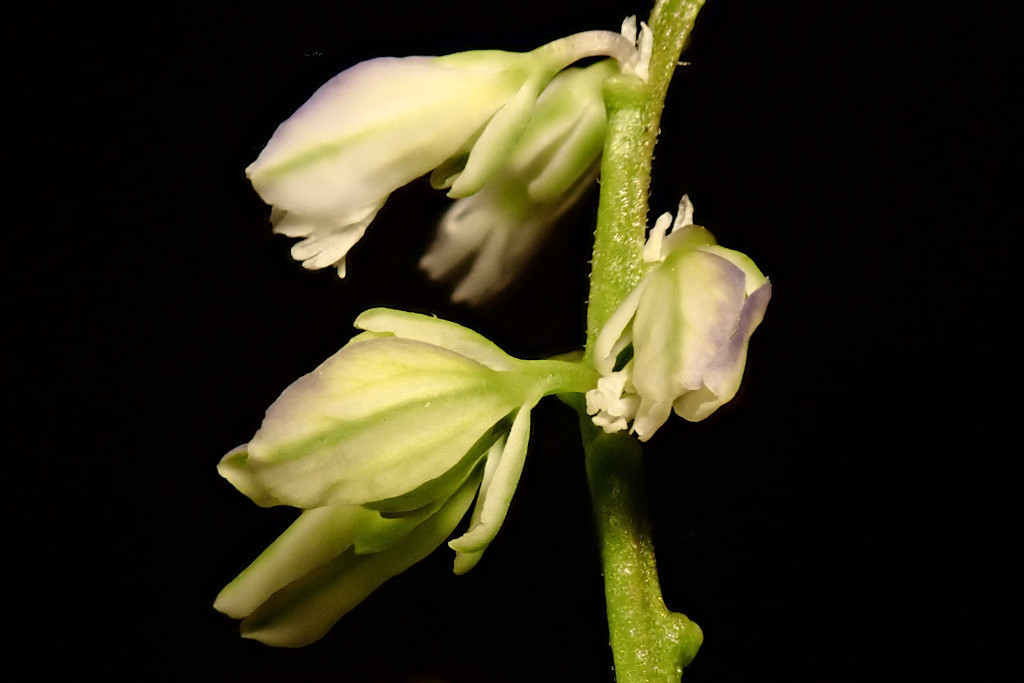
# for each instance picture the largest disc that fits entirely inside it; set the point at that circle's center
(634, 117)
(649, 643)
(671, 22)
(617, 264)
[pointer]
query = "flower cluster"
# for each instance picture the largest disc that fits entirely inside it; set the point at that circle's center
(687, 325)
(387, 445)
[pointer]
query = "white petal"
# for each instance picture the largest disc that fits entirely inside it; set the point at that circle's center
(684, 214)
(645, 46)
(491, 271)
(500, 227)
(652, 248)
(565, 137)
(628, 29)
(292, 225)
(650, 416)
(461, 232)
(328, 248)
(328, 241)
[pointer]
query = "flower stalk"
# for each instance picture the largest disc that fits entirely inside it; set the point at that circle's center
(649, 643)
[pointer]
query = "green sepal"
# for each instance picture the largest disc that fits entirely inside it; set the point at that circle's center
(378, 420)
(442, 486)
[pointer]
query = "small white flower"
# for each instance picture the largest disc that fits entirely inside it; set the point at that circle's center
(380, 124)
(689, 322)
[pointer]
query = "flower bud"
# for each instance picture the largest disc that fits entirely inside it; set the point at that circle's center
(689, 322)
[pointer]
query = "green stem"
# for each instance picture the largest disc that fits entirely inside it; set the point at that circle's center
(649, 643)
(671, 23)
(634, 118)
(617, 264)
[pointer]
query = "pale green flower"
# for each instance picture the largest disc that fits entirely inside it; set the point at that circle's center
(380, 124)
(384, 445)
(689, 322)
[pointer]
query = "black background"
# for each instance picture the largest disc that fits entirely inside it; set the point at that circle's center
(839, 519)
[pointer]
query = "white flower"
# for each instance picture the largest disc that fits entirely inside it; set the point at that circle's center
(378, 125)
(500, 227)
(689, 322)
(384, 446)
(488, 237)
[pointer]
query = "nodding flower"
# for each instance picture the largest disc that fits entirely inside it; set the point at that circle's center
(487, 238)
(383, 446)
(382, 123)
(498, 229)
